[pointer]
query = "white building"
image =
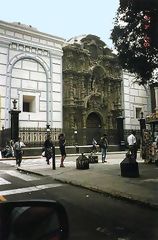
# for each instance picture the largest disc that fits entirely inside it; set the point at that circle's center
(31, 73)
(136, 99)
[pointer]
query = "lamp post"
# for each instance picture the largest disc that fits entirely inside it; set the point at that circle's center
(2, 140)
(75, 135)
(53, 147)
(142, 124)
(76, 144)
(48, 128)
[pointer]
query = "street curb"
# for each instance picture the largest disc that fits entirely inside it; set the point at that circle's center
(24, 158)
(117, 195)
(58, 155)
(112, 194)
(31, 172)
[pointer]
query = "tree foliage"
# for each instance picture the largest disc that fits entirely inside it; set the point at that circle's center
(135, 37)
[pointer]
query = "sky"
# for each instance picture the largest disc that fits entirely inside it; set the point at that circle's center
(64, 18)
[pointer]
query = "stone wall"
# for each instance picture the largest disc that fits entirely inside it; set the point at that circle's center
(31, 73)
(136, 99)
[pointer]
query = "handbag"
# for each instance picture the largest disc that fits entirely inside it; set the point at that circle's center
(43, 154)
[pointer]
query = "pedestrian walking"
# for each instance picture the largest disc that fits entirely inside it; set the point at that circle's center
(103, 146)
(94, 147)
(62, 142)
(132, 144)
(49, 149)
(18, 150)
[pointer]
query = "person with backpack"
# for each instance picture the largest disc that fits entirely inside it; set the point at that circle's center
(103, 146)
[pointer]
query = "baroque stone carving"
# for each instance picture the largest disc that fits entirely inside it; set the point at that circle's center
(92, 84)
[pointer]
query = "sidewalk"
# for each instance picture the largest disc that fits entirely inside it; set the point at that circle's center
(106, 178)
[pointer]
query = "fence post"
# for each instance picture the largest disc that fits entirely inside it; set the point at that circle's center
(14, 121)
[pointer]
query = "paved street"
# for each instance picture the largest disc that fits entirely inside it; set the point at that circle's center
(91, 215)
(101, 177)
(16, 182)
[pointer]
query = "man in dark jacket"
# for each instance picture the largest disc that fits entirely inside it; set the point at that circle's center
(62, 143)
(49, 149)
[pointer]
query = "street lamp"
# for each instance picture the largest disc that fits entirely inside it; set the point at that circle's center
(75, 136)
(2, 139)
(142, 124)
(48, 128)
(76, 142)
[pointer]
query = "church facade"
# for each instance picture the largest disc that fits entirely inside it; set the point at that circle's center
(92, 96)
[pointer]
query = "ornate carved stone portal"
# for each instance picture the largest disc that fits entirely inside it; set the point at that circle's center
(92, 90)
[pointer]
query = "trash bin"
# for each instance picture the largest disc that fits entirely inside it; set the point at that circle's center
(82, 162)
(93, 159)
(129, 167)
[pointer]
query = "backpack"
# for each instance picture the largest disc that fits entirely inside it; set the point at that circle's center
(103, 142)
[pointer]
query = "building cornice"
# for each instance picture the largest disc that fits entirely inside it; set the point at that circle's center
(10, 40)
(31, 31)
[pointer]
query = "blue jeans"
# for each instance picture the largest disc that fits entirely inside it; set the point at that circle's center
(103, 151)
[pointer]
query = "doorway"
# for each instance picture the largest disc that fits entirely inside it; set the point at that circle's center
(93, 126)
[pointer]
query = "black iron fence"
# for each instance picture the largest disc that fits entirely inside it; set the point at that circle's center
(85, 136)
(35, 137)
(32, 137)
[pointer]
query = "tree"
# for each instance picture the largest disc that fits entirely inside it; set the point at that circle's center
(135, 37)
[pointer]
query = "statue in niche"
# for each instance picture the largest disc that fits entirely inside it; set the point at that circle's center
(93, 85)
(93, 102)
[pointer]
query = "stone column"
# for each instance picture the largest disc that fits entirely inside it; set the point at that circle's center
(82, 88)
(109, 114)
(0, 114)
(156, 99)
(84, 127)
(14, 122)
(71, 91)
